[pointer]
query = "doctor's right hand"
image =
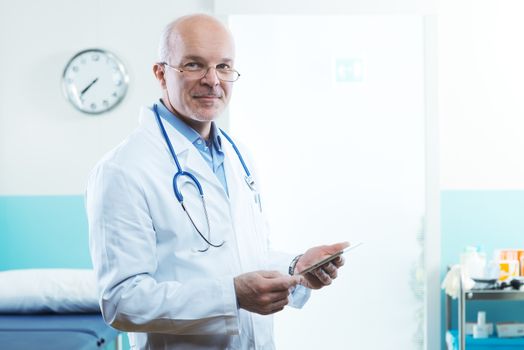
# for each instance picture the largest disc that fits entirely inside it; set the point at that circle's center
(264, 292)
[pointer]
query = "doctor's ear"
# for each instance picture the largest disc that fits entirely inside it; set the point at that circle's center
(159, 71)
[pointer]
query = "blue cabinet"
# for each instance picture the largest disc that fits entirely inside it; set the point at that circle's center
(457, 340)
(484, 344)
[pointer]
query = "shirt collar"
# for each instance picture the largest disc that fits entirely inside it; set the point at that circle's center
(188, 131)
(177, 123)
(215, 137)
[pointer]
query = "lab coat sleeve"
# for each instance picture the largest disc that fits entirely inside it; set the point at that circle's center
(123, 249)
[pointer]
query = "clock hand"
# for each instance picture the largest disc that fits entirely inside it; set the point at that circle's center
(87, 87)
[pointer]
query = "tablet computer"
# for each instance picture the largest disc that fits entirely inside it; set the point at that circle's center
(329, 258)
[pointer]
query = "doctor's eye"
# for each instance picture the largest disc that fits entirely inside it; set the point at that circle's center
(223, 66)
(193, 66)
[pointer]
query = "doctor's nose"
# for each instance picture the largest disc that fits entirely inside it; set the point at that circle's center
(211, 77)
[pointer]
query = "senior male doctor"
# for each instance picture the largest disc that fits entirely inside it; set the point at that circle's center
(177, 234)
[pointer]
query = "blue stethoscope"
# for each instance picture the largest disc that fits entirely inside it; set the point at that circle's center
(181, 173)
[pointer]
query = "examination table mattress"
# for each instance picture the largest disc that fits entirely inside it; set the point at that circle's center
(55, 331)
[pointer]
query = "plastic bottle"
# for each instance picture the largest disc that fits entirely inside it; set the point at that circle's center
(521, 260)
(480, 330)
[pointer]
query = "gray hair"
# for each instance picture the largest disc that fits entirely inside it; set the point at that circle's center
(165, 42)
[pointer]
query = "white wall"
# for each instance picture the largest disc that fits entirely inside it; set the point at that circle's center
(432, 324)
(46, 146)
(481, 75)
(326, 7)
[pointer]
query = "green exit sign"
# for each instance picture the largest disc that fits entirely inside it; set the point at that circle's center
(348, 70)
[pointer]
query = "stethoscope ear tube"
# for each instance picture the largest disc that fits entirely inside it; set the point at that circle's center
(238, 154)
(166, 138)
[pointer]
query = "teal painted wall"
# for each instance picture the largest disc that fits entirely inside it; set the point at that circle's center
(44, 232)
(490, 219)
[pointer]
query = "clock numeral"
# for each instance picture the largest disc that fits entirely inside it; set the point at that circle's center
(114, 94)
(93, 106)
(75, 69)
(105, 103)
(95, 57)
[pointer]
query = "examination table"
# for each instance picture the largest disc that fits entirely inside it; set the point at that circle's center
(56, 332)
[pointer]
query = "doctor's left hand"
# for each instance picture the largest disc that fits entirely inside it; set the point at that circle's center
(325, 274)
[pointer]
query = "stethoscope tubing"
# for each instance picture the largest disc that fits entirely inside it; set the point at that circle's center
(181, 173)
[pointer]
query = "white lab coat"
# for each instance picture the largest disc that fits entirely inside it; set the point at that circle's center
(152, 280)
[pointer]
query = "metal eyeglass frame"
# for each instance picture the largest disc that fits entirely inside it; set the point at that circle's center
(218, 72)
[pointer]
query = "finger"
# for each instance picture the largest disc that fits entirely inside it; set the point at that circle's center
(278, 305)
(279, 280)
(273, 297)
(331, 270)
(339, 261)
(301, 278)
(285, 282)
(311, 281)
(270, 274)
(269, 308)
(322, 276)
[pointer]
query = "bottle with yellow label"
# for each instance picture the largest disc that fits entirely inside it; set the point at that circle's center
(508, 260)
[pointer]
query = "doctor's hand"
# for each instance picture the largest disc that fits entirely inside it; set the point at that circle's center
(325, 274)
(264, 292)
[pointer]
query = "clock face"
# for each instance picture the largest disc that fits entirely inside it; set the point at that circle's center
(94, 81)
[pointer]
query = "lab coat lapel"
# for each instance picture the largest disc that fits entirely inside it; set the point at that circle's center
(240, 200)
(188, 156)
(192, 161)
(232, 175)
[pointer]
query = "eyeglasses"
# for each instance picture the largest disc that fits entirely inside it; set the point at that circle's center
(199, 71)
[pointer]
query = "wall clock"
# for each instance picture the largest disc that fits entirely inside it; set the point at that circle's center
(95, 81)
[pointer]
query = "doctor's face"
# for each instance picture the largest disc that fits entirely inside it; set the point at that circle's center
(205, 44)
